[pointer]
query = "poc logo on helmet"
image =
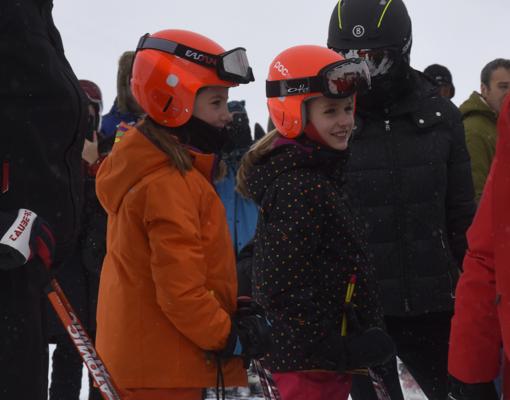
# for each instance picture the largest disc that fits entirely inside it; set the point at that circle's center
(281, 68)
(358, 31)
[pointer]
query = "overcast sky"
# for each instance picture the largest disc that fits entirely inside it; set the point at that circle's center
(462, 34)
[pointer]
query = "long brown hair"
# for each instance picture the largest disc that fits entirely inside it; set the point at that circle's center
(162, 137)
(168, 143)
(256, 152)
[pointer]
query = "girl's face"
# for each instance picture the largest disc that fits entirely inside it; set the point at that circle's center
(333, 119)
(211, 106)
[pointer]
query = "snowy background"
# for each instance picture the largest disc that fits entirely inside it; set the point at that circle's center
(464, 35)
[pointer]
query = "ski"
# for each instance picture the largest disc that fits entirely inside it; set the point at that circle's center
(269, 388)
(379, 386)
(82, 341)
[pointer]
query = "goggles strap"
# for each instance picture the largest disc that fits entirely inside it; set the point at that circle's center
(188, 53)
(292, 87)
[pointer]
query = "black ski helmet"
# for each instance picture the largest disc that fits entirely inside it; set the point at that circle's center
(370, 24)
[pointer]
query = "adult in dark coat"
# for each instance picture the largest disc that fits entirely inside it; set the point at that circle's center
(409, 178)
(79, 276)
(43, 113)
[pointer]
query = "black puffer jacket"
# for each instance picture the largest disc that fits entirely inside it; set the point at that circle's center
(306, 248)
(409, 178)
(79, 276)
(44, 116)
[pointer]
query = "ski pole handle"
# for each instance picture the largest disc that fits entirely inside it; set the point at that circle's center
(348, 298)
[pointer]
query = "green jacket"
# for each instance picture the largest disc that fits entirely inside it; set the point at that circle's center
(481, 134)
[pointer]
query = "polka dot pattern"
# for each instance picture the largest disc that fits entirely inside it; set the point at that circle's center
(307, 246)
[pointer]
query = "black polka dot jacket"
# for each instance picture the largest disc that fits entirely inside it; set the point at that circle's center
(306, 248)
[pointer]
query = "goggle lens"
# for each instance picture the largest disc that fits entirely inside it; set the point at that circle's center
(236, 63)
(346, 78)
(379, 61)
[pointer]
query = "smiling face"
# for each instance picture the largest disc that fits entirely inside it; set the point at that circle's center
(333, 119)
(211, 106)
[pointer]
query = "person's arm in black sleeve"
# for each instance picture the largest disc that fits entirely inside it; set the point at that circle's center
(460, 195)
(93, 234)
(244, 270)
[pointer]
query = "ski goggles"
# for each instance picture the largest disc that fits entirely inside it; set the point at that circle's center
(337, 80)
(232, 66)
(379, 61)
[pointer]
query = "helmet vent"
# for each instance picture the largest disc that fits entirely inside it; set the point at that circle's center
(169, 101)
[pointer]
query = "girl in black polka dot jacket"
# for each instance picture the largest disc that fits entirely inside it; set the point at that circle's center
(308, 245)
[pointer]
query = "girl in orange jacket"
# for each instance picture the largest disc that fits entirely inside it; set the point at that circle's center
(168, 285)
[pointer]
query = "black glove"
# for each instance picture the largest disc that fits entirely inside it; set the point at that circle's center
(459, 390)
(250, 336)
(359, 349)
(24, 236)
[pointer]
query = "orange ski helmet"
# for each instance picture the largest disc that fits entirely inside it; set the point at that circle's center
(302, 72)
(170, 67)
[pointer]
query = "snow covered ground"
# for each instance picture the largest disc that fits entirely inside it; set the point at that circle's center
(411, 389)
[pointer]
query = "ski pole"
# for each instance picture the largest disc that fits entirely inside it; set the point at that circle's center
(269, 388)
(81, 341)
(348, 298)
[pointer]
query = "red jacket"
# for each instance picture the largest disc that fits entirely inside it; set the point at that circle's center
(482, 308)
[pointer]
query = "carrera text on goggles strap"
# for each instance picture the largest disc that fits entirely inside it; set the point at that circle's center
(340, 79)
(230, 66)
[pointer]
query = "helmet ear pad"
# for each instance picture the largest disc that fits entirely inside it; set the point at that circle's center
(167, 93)
(289, 114)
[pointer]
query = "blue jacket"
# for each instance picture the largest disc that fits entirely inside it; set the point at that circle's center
(241, 213)
(111, 120)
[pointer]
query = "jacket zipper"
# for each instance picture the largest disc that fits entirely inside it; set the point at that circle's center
(6, 172)
(407, 305)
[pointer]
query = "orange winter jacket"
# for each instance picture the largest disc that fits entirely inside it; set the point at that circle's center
(169, 281)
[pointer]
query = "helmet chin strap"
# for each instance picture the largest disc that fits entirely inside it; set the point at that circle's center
(313, 134)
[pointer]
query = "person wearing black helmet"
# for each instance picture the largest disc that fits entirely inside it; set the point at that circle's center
(409, 178)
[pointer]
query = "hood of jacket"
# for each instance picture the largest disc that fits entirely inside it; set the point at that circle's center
(133, 159)
(477, 106)
(289, 155)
